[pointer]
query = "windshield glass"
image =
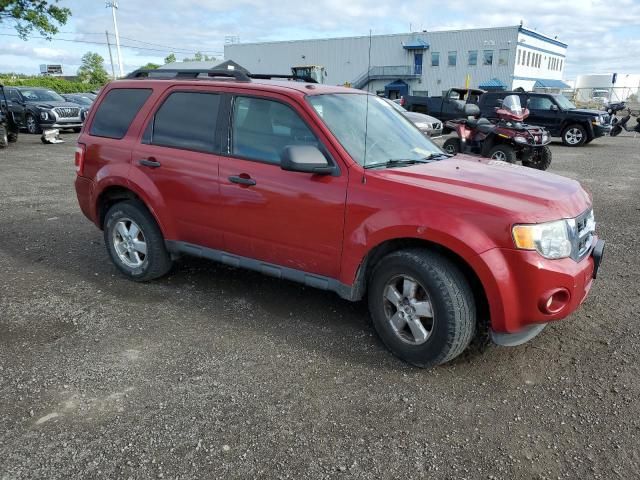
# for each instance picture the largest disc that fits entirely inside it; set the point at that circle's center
(41, 95)
(389, 135)
(564, 102)
(395, 105)
(512, 103)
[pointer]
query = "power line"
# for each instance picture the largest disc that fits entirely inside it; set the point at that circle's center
(90, 42)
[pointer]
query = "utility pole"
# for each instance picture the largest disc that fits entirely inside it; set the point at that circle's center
(114, 6)
(113, 69)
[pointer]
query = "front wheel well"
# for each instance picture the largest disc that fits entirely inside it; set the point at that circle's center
(390, 246)
(110, 197)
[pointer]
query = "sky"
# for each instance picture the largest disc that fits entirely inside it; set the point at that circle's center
(603, 36)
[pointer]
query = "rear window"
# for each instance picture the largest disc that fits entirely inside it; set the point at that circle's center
(117, 110)
(186, 120)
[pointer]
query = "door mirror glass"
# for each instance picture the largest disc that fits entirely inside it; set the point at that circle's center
(554, 108)
(305, 159)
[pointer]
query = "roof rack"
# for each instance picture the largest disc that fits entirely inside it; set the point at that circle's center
(239, 75)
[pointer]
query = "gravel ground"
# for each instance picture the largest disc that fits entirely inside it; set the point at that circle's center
(213, 372)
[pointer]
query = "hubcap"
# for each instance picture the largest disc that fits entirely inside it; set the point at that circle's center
(573, 136)
(450, 149)
(129, 243)
(408, 309)
(31, 124)
(499, 155)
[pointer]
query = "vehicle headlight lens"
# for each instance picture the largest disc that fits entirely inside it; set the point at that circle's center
(44, 115)
(597, 121)
(423, 125)
(551, 239)
(545, 138)
(520, 140)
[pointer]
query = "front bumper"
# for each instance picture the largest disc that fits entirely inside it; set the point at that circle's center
(525, 281)
(601, 130)
(61, 124)
(85, 191)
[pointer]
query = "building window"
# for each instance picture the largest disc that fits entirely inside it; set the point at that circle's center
(519, 55)
(560, 65)
(549, 64)
(435, 59)
(503, 56)
(528, 59)
(487, 57)
(473, 57)
(453, 58)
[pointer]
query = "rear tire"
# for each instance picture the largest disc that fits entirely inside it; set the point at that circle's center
(134, 242)
(541, 160)
(12, 137)
(574, 135)
(4, 137)
(452, 146)
(422, 307)
(503, 153)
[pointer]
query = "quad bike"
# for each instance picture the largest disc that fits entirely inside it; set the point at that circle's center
(507, 139)
(8, 128)
(621, 124)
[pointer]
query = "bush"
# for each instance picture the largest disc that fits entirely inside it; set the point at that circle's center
(59, 85)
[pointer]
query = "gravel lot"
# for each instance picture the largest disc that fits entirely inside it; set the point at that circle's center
(213, 372)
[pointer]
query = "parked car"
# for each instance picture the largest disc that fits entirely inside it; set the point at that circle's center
(329, 187)
(36, 108)
(431, 127)
(8, 128)
(445, 107)
(556, 114)
(84, 99)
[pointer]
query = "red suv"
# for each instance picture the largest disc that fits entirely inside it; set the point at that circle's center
(333, 188)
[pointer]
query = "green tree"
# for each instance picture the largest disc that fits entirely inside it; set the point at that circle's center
(150, 66)
(199, 57)
(29, 15)
(170, 58)
(92, 69)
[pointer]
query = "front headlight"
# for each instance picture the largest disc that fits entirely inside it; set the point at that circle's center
(551, 239)
(44, 115)
(520, 140)
(423, 126)
(545, 138)
(597, 121)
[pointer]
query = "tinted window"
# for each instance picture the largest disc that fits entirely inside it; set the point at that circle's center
(487, 57)
(262, 128)
(540, 103)
(117, 110)
(473, 57)
(185, 120)
(13, 95)
(435, 59)
(452, 58)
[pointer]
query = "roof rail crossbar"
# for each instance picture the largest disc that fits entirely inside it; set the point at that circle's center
(171, 73)
(268, 76)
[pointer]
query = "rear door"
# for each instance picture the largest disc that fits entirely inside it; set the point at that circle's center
(541, 112)
(289, 219)
(16, 105)
(179, 154)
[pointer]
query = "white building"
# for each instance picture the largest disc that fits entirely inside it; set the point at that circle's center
(424, 63)
(602, 85)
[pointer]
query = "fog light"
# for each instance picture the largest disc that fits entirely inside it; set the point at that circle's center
(554, 301)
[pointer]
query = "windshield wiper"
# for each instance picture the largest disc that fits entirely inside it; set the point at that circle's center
(401, 162)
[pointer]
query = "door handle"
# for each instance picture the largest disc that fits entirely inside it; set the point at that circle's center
(149, 162)
(242, 180)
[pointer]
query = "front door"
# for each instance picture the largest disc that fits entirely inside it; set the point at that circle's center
(289, 219)
(178, 155)
(542, 112)
(16, 106)
(417, 63)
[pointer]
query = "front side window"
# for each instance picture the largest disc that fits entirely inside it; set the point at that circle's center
(186, 120)
(503, 57)
(372, 131)
(262, 128)
(540, 103)
(14, 96)
(453, 58)
(117, 110)
(487, 57)
(473, 57)
(41, 96)
(435, 59)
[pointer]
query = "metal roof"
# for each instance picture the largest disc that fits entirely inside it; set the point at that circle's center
(493, 83)
(416, 44)
(543, 83)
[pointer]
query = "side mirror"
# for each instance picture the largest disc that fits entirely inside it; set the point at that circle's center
(499, 102)
(554, 108)
(305, 159)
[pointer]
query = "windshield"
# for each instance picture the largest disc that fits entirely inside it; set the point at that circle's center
(397, 106)
(41, 96)
(389, 135)
(564, 102)
(512, 103)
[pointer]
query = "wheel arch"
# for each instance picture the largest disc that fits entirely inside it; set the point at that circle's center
(118, 193)
(386, 247)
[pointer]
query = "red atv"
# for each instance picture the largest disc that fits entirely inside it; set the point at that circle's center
(507, 139)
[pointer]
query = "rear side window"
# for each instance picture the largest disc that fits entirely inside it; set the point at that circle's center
(117, 110)
(186, 120)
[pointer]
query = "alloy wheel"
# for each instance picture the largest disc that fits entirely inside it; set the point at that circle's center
(129, 243)
(32, 126)
(499, 155)
(573, 136)
(408, 309)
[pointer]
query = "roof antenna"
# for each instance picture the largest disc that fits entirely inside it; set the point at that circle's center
(366, 115)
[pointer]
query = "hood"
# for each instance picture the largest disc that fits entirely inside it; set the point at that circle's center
(46, 104)
(524, 194)
(416, 117)
(587, 112)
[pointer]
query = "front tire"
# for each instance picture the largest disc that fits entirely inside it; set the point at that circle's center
(135, 243)
(540, 160)
(422, 307)
(4, 137)
(503, 153)
(33, 126)
(574, 135)
(12, 137)
(452, 146)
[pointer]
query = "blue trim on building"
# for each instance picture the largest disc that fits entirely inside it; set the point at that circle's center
(526, 45)
(494, 84)
(416, 44)
(533, 34)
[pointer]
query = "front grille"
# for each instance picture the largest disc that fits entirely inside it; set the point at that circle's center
(606, 119)
(67, 112)
(436, 126)
(583, 229)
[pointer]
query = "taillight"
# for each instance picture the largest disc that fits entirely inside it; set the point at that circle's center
(402, 102)
(80, 152)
